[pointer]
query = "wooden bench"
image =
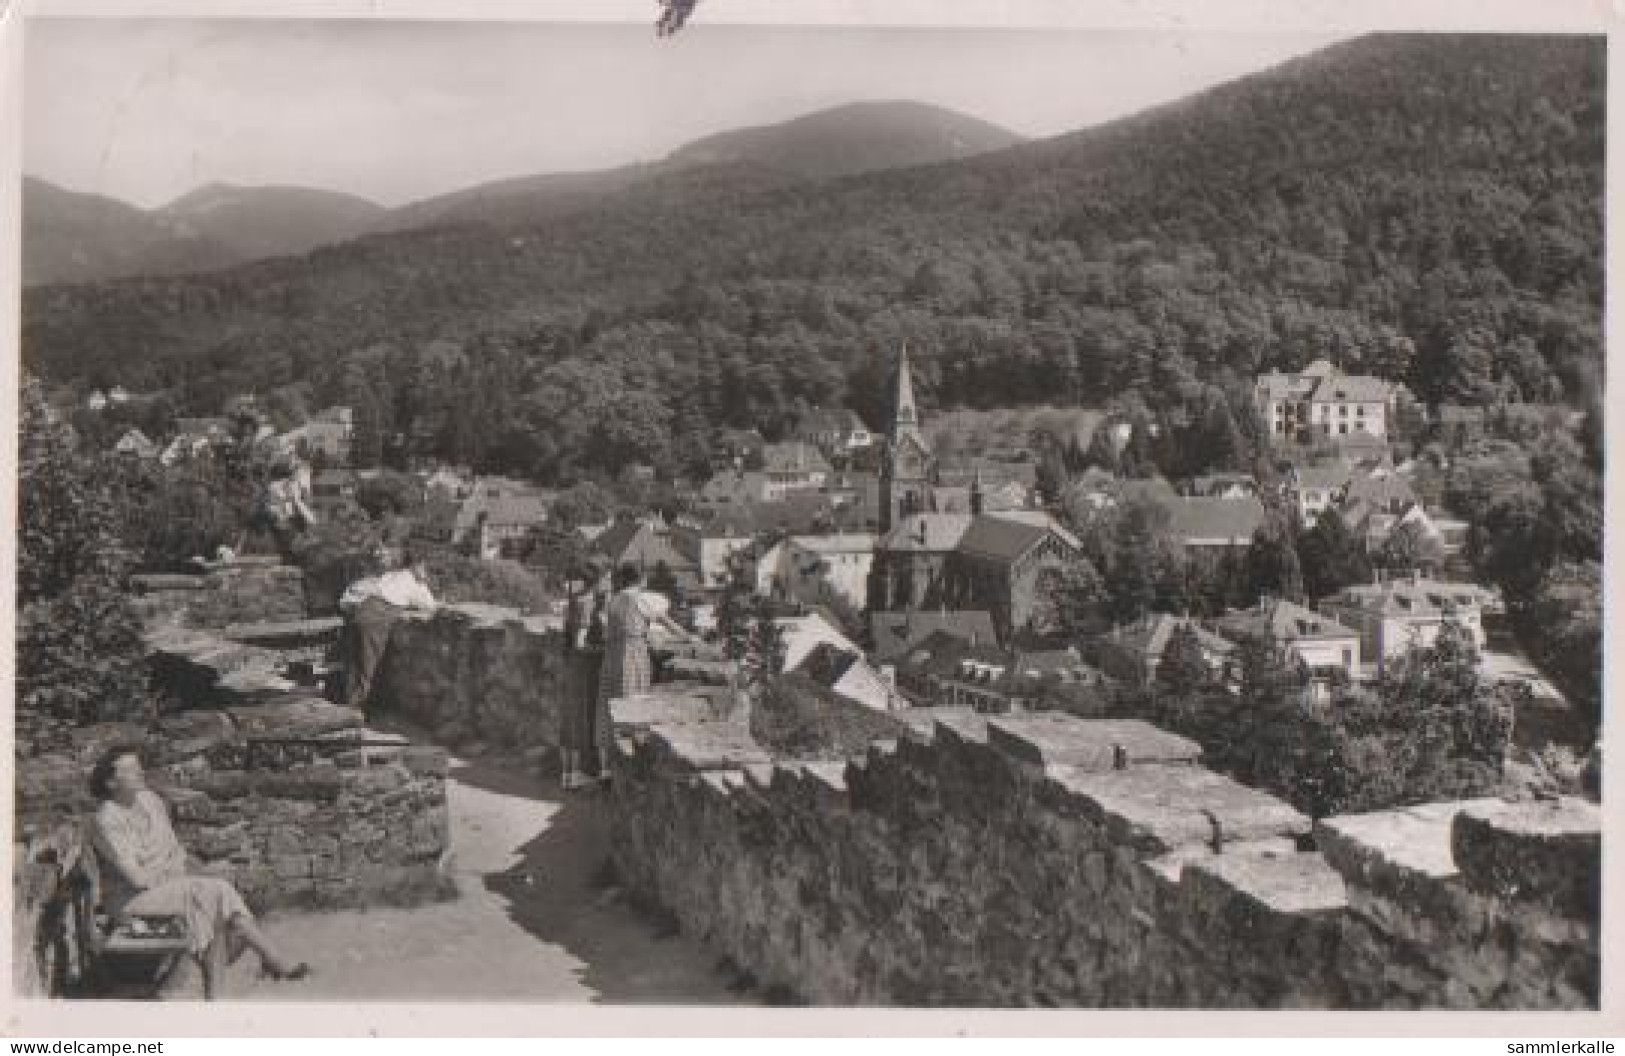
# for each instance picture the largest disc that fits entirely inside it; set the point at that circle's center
(115, 960)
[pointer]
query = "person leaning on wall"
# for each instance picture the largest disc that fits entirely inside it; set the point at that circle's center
(371, 608)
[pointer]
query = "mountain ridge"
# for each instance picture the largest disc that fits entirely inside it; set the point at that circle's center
(221, 224)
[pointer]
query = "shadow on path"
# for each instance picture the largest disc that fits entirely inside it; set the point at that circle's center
(556, 891)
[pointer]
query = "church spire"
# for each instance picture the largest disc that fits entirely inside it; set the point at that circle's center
(907, 415)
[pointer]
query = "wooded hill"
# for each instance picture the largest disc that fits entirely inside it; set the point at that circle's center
(1428, 208)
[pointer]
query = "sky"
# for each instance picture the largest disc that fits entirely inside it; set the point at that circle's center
(147, 110)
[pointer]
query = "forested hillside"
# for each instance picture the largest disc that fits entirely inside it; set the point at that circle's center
(1426, 208)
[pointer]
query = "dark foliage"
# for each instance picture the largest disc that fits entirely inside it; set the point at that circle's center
(1426, 208)
(80, 657)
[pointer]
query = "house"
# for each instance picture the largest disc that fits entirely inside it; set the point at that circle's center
(332, 487)
(1003, 485)
(802, 634)
(96, 401)
(1322, 401)
(1133, 652)
(789, 467)
(450, 483)
(1394, 616)
(835, 431)
(196, 438)
(498, 514)
(1321, 643)
(814, 569)
(1094, 487)
(1223, 486)
(327, 436)
(896, 634)
(629, 541)
(731, 488)
(710, 542)
(503, 524)
(947, 671)
(1382, 488)
(1316, 487)
(1210, 524)
(998, 562)
(847, 674)
(436, 523)
(135, 444)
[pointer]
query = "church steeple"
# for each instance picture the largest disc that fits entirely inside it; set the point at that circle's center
(905, 475)
(906, 416)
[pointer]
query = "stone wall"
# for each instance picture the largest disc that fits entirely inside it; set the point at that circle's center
(318, 824)
(476, 672)
(253, 590)
(1046, 860)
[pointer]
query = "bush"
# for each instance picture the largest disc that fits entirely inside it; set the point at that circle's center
(794, 717)
(457, 578)
(80, 656)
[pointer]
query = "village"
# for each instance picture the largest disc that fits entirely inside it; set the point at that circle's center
(902, 581)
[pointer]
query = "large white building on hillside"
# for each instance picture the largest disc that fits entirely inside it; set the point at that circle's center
(1321, 401)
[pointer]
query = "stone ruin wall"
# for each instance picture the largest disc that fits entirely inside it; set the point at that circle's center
(1007, 862)
(317, 824)
(476, 672)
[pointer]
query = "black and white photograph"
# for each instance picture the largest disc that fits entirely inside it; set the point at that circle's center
(684, 511)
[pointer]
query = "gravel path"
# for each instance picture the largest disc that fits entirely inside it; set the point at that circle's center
(530, 925)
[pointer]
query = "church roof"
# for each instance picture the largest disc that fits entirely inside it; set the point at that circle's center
(927, 533)
(1006, 536)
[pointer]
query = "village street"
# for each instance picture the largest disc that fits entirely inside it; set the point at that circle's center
(532, 923)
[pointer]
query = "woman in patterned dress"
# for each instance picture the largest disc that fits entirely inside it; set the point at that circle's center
(628, 667)
(144, 873)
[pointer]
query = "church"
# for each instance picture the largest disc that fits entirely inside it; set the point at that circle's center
(930, 559)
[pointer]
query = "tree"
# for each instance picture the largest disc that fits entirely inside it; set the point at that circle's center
(1409, 548)
(389, 493)
(1183, 673)
(80, 657)
(561, 556)
(1272, 565)
(1071, 601)
(1331, 557)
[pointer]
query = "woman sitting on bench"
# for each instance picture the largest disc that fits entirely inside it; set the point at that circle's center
(144, 873)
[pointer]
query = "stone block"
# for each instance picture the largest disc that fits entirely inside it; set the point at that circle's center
(320, 782)
(644, 710)
(1297, 884)
(1396, 852)
(291, 866)
(295, 717)
(954, 726)
(215, 842)
(706, 746)
(223, 784)
(1087, 744)
(190, 804)
(1155, 809)
(1544, 852)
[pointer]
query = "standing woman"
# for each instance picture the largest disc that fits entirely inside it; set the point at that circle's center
(584, 652)
(628, 667)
